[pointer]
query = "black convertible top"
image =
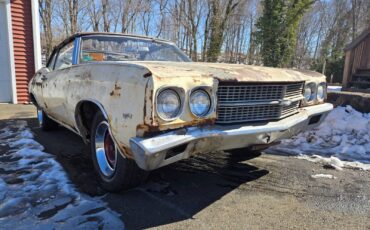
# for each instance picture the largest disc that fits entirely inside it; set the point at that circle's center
(81, 34)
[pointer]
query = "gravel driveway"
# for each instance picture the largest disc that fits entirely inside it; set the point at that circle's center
(219, 190)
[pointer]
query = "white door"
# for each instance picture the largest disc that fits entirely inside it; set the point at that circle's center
(5, 71)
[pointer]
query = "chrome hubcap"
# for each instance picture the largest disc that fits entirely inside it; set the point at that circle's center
(39, 116)
(105, 149)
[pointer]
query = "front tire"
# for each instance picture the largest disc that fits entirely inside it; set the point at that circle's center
(114, 171)
(45, 123)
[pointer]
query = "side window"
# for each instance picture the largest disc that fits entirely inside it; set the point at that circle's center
(52, 62)
(64, 58)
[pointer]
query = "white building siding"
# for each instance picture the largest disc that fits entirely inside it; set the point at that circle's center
(7, 72)
(20, 48)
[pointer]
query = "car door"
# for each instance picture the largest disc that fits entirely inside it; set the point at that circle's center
(54, 86)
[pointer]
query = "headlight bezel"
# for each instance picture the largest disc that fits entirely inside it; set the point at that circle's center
(179, 92)
(207, 92)
(324, 85)
(313, 88)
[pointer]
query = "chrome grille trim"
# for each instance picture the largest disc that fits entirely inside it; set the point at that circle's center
(247, 102)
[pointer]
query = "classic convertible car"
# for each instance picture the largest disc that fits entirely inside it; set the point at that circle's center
(142, 104)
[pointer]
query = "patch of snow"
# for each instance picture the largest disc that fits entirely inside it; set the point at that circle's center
(333, 88)
(35, 191)
(327, 176)
(342, 140)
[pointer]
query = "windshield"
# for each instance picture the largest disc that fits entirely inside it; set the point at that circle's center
(119, 48)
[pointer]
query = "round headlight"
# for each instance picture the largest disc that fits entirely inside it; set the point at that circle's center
(168, 104)
(200, 103)
(321, 92)
(309, 92)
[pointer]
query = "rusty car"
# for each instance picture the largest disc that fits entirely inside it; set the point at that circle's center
(141, 103)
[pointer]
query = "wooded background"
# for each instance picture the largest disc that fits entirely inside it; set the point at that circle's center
(304, 34)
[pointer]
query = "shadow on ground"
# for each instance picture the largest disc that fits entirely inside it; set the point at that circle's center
(173, 193)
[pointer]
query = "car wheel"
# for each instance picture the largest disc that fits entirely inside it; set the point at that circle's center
(115, 172)
(45, 122)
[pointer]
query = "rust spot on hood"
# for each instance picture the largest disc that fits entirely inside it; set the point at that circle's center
(228, 72)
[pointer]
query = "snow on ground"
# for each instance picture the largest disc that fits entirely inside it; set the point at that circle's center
(334, 88)
(342, 141)
(35, 191)
(326, 176)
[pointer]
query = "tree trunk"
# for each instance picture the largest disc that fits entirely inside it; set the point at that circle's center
(45, 11)
(354, 23)
(106, 23)
(218, 25)
(205, 40)
(73, 13)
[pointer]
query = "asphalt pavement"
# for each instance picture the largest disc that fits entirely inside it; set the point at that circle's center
(219, 190)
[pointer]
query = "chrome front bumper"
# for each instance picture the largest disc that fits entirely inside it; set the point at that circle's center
(154, 152)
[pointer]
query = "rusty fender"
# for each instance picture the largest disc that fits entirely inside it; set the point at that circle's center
(167, 148)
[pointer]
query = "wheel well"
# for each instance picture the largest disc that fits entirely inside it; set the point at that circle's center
(85, 113)
(33, 99)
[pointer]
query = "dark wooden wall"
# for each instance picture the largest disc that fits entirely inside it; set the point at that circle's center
(357, 58)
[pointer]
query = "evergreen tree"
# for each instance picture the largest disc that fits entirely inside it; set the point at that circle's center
(277, 30)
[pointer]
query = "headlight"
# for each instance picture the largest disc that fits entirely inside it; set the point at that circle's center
(168, 104)
(309, 92)
(321, 91)
(200, 103)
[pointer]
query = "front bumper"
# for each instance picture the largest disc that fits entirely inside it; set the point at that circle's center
(164, 149)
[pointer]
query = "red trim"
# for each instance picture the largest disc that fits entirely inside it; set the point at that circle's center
(21, 12)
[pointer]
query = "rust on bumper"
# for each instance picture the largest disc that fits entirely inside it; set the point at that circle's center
(167, 148)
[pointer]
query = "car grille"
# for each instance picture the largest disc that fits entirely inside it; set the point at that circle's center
(247, 102)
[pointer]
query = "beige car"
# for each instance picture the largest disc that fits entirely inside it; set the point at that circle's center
(142, 104)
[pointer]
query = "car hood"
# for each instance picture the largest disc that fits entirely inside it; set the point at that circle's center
(228, 72)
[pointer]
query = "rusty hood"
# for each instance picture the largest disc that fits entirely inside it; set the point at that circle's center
(228, 72)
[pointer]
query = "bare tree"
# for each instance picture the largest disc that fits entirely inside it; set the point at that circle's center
(193, 13)
(219, 18)
(206, 34)
(210, 30)
(95, 14)
(106, 21)
(73, 15)
(45, 11)
(130, 10)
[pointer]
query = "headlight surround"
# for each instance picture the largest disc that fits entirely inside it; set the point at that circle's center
(200, 103)
(321, 91)
(168, 104)
(309, 92)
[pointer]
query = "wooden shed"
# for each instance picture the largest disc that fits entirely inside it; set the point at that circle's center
(356, 73)
(20, 48)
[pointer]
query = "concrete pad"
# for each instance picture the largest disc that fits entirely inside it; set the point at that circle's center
(11, 111)
(359, 101)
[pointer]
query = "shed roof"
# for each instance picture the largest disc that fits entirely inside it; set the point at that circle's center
(358, 40)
